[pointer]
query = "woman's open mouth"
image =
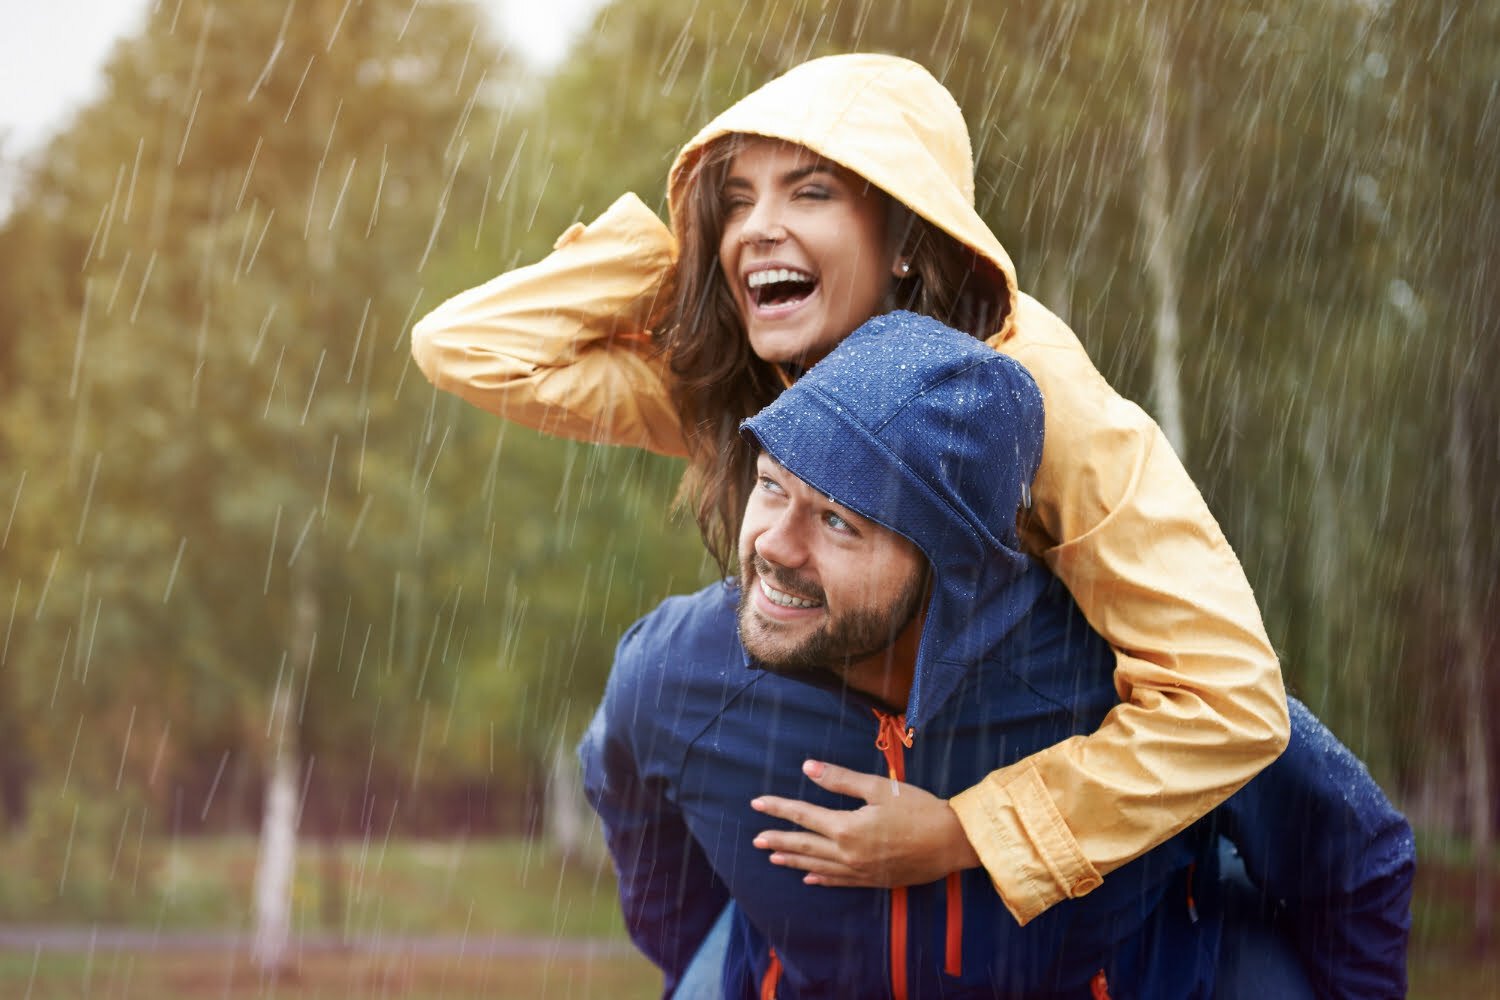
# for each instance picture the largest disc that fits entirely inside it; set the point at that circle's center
(780, 288)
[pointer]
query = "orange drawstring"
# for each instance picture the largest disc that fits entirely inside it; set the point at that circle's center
(892, 732)
(772, 977)
(1099, 986)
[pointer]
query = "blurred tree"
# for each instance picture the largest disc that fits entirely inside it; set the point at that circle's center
(1425, 79)
(222, 259)
(211, 387)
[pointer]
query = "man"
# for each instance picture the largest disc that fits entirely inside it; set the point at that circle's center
(892, 623)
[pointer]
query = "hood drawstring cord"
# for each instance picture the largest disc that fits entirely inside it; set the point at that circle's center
(892, 731)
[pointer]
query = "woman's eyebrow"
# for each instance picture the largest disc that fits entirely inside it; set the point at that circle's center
(790, 177)
(802, 173)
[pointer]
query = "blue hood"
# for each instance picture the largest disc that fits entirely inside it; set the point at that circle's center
(942, 452)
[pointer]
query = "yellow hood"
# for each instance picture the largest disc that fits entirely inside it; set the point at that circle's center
(883, 117)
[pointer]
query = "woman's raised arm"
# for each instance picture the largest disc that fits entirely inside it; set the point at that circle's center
(564, 345)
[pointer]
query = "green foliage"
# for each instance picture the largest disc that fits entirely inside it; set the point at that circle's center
(81, 856)
(230, 247)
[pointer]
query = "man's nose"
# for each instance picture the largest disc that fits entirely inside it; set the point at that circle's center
(782, 543)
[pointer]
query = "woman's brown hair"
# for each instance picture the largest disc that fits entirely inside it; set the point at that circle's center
(717, 381)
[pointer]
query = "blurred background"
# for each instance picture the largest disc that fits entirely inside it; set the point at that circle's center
(244, 546)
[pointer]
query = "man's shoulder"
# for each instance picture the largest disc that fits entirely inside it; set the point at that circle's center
(677, 668)
(684, 634)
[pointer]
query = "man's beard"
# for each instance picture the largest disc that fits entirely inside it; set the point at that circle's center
(853, 635)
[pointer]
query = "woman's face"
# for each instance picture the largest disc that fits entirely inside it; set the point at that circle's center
(804, 249)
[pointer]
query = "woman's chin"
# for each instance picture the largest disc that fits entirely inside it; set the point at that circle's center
(800, 348)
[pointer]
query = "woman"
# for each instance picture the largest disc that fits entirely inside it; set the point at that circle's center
(842, 189)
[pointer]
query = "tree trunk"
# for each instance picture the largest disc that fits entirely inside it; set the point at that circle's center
(1161, 224)
(278, 843)
(1325, 561)
(1471, 663)
(566, 819)
(277, 861)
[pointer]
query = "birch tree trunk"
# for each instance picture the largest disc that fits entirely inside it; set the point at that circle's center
(277, 860)
(566, 817)
(1162, 233)
(1471, 663)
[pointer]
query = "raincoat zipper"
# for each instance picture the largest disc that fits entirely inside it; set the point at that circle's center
(891, 740)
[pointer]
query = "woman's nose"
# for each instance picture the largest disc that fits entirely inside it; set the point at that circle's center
(763, 224)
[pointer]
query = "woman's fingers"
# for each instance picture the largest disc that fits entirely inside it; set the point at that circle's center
(856, 784)
(796, 844)
(804, 814)
(825, 872)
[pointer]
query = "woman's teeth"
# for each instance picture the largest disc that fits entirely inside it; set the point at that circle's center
(760, 279)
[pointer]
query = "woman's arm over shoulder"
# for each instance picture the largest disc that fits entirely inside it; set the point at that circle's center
(564, 345)
(1202, 710)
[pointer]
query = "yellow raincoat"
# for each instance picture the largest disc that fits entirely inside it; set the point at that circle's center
(564, 346)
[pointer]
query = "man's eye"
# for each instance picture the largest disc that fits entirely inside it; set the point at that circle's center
(769, 485)
(837, 523)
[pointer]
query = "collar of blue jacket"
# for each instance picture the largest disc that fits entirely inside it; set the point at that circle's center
(936, 436)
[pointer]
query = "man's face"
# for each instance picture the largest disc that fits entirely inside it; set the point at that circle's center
(821, 587)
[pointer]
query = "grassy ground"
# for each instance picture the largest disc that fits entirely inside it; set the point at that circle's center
(1444, 960)
(471, 889)
(166, 976)
(365, 889)
(483, 889)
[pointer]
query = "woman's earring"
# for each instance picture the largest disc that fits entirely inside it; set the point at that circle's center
(904, 267)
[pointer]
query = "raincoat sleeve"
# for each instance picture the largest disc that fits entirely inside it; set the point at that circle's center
(669, 894)
(1333, 861)
(1202, 708)
(564, 345)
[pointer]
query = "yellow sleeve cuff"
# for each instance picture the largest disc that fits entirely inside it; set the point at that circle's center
(1022, 841)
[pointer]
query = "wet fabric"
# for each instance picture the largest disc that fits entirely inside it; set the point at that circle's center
(691, 730)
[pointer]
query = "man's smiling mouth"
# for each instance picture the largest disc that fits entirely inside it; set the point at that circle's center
(782, 599)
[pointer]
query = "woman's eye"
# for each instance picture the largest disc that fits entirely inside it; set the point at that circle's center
(814, 193)
(732, 205)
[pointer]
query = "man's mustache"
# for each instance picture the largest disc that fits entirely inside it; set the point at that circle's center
(787, 580)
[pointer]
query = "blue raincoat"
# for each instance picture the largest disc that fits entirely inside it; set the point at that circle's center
(935, 436)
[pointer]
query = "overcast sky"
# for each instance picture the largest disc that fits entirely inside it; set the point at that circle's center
(51, 52)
